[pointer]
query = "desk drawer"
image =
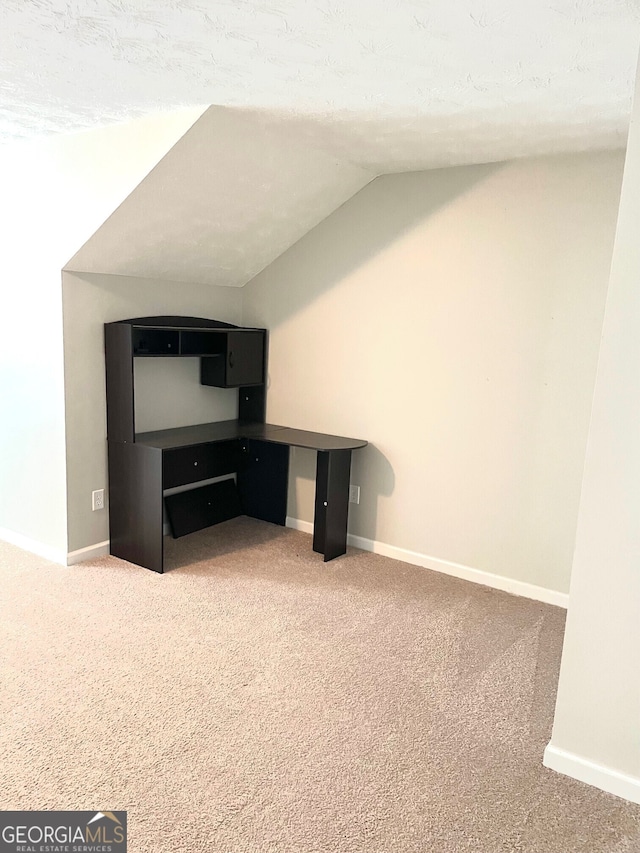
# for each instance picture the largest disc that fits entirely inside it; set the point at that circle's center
(200, 462)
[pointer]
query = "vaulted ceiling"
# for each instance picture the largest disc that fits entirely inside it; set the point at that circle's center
(397, 84)
(312, 99)
(237, 190)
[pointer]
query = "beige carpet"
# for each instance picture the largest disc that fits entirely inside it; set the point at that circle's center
(256, 699)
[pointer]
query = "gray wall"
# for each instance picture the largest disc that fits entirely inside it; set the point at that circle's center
(55, 194)
(452, 318)
(170, 391)
(597, 722)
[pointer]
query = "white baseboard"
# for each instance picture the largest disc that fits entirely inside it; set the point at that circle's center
(55, 555)
(515, 587)
(456, 570)
(101, 549)
(604, 778)
(299, 524)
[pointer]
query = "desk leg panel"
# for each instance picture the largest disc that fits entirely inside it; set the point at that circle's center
(263, 481)
(332, 503)
(135, 504)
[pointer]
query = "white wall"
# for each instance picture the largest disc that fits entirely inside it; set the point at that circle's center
(452, 318)
(596, 732)
(54, 195)
(168, 392)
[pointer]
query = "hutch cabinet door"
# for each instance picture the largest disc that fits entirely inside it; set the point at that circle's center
(245, 358)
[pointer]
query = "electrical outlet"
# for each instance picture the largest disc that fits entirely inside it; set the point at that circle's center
(97, 499)
(354, 494)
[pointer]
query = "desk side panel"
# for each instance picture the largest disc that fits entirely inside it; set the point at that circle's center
(119, 379)
(333, 472)
(252, 404)
(252, 400)
(263, 481)
(135, 504)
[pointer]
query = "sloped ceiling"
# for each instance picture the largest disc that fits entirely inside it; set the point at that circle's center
(416, 83)
(315, 98)
(234, 193)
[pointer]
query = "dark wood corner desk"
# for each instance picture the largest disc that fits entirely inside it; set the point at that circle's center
(247, 458)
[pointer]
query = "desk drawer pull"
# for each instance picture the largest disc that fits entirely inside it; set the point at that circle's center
(199, 462)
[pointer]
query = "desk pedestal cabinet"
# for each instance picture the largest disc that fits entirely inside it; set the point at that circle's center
(249, 456)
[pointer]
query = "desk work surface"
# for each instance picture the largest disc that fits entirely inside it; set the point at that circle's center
(311, 440)
(226, 430)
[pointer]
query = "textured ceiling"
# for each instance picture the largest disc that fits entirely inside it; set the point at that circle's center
(236, 191)
(401, 83)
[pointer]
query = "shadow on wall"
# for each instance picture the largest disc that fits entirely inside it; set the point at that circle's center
(381, 479)
(363, 227)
